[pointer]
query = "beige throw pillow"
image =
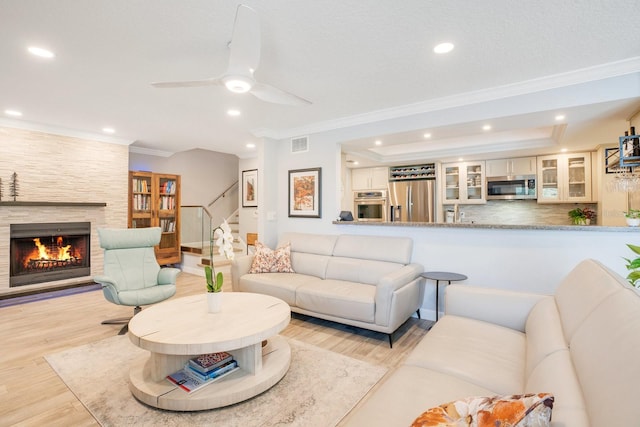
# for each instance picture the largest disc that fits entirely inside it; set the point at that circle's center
(267, 260)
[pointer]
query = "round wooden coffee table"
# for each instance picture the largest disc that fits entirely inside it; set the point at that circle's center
(176, 330)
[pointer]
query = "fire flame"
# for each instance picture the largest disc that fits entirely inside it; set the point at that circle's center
(43, 251)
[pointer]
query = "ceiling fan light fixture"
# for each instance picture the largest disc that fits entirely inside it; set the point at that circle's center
(238, 84)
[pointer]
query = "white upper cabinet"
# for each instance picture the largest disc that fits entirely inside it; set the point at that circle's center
(370, 178)
(464, 183)
(511, 167)
(564, 178)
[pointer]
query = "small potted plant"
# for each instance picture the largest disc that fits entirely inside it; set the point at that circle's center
(633, 217)
(222, 238)
(581, 216)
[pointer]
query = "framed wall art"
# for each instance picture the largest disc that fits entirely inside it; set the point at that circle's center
(305, 193)
(250, 188)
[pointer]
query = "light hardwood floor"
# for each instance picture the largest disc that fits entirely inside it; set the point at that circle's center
(31, 394)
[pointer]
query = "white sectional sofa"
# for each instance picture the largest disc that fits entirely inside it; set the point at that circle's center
(581, 344)
(364, 281)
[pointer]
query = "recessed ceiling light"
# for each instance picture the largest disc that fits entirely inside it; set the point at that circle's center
(486, 127)
(559, 117)
(233, 113)
(251, 145)
(427, 135)
(378, 142)
(564, 150)
(108, 130)
(14, 113)
(42, 53)
(443, 48)
(356, 162)
(460, 159)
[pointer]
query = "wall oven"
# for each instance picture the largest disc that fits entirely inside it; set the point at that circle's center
(511, 187)
(370, 205)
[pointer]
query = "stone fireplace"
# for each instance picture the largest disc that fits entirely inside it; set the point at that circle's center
(90, 188)
(43, 252)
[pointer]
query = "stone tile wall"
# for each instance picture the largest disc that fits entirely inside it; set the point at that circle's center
(527, 212)
(54, 168)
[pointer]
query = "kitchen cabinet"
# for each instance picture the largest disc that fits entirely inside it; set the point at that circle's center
(370, 178)
(511, 167)
(564, 178)
(463, 183)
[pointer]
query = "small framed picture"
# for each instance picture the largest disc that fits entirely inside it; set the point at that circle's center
(305, 193)
(250, 188)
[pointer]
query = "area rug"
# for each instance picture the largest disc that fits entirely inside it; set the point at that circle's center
(318, 390)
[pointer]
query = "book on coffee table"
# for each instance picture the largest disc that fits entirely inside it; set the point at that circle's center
(189, 380)
(210, 361)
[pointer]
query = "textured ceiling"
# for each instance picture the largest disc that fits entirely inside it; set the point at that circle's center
(361, 63)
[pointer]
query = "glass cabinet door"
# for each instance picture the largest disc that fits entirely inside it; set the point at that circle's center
(475, 189)
(452, 183)
(577, 177)
(550, 185)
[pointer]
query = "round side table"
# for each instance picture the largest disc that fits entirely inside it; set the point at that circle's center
(444, 276)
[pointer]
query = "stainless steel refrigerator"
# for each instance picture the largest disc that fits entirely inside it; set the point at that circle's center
(412, 201)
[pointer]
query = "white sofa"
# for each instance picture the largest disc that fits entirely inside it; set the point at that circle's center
(363, 281)
(581, 344)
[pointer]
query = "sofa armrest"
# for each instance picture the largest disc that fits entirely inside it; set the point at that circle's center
(240, 266)
(390, 283)
(168, 276)
(499, 306)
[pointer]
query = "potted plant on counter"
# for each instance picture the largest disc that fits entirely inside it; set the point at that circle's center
(581, 216)
(633, 217)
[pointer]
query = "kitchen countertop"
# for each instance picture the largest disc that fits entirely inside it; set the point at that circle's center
(491, 226)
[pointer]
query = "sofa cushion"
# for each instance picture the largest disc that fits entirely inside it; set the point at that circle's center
(556, 374)
(318, 244)
(359, 270)
(279, 285)
(378, 248)
(604, 351)
(481, 353)
(581, 291)
(406, 393)
(544, 333)
(355, 301)
(268, 260)
(517, 410)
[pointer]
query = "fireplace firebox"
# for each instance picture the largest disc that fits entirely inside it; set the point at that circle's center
(44, 252)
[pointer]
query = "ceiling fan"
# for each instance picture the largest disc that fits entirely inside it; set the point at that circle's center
(244, 58)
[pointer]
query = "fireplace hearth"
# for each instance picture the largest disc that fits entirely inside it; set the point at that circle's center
(44, 252)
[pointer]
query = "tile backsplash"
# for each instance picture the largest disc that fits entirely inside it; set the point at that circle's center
(521, 212)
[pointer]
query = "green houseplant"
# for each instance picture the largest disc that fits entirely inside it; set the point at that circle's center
(633, 217)
(581, 216)
(633, 265)
(222, 238)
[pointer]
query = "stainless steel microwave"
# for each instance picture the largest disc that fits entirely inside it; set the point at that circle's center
(511, 187)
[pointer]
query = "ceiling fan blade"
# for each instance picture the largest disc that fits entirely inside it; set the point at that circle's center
(245, 42)
(277, 96)
(189, 83)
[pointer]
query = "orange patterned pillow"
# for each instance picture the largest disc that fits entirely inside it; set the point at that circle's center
(527, 410)
(267, 260)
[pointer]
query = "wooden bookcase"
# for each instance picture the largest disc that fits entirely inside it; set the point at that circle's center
(154, 201)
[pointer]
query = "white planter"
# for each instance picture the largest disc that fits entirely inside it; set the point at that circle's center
(214, 301)
(633, 222)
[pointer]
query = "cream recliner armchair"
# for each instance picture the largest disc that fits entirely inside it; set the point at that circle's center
(132, 275)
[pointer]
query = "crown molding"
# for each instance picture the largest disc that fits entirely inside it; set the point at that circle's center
(150, 151)
(579, 76)
(57, 130)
